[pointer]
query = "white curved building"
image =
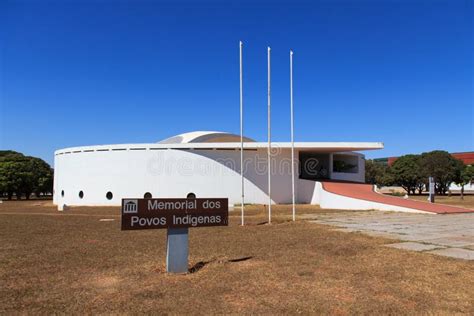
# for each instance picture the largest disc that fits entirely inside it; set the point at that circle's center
(204, 163)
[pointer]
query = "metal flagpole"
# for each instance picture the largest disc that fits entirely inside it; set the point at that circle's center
(292, 138)
(241, 136)
(269, 146)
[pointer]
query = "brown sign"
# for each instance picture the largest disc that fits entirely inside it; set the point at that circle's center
(173, 213)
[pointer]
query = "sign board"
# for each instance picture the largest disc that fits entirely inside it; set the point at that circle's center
(173, 213)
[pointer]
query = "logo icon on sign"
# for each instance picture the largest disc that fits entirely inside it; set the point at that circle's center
(130, 206)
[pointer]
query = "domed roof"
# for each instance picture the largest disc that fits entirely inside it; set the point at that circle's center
(204, 137)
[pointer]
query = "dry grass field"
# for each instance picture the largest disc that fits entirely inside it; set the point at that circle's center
(73, 263)
(454, 200)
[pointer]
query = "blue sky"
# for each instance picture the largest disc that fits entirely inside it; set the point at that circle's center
(102, 72)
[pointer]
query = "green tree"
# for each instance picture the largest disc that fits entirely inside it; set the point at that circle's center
(467, 176)
(42, 176)
(10, 177)
(406, 172)
(443, 167)
(377, 173)
(23, 175)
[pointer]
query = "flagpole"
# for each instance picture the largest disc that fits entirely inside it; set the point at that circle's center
(292, 138)
(241, 135)
(269, 143)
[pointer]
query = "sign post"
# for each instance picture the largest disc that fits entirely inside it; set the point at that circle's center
(176, 215)
(431, 197)
(177, 250)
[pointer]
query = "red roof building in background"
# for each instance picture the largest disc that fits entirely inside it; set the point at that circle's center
(466, 157)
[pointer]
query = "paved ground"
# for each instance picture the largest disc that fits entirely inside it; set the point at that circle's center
(447, 235)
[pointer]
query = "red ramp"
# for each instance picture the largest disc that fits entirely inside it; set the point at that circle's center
(366, 192)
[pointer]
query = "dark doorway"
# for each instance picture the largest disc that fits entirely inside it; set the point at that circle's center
(314, 166)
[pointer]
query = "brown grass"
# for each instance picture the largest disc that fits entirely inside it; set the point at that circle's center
(454, 200)
(71, 262)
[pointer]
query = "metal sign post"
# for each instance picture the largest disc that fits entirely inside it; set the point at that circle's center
(177, 250)
(176, 215)
(431, 190)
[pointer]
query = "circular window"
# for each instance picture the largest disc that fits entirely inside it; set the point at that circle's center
(147, 195)
(81, 194)
(109, 195)
(191, 196)
(62, 193)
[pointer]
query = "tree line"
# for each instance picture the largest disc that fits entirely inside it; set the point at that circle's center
(411, 172)
(22, 175)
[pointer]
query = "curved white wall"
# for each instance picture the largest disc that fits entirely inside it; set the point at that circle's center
(166, 173)
(133, 170)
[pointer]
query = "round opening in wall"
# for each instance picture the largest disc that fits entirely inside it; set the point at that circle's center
(62, 193)
(81, 194)
(147, 195)
(191, 196)
(109, 195)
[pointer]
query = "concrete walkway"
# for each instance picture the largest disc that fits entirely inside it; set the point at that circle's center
(447, 235)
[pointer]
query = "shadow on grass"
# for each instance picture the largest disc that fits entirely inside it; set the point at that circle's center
(198, 266)
(240, 259)
(201, 264)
